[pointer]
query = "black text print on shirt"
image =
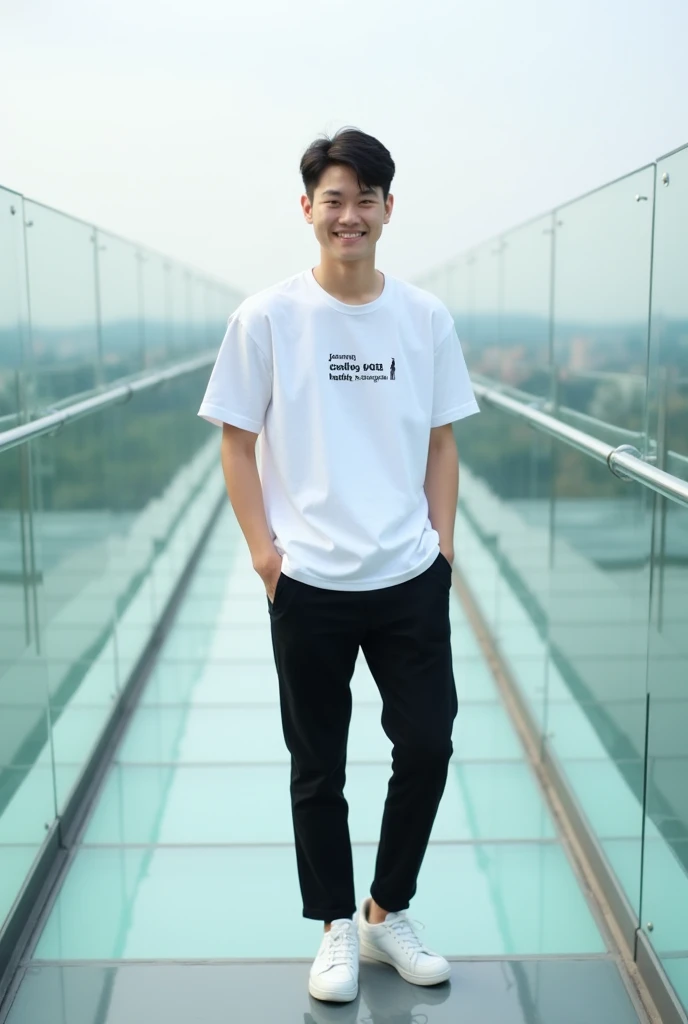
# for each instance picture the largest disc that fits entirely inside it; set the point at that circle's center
(347, 367)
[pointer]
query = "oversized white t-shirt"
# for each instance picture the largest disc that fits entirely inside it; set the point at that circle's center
(343, 398)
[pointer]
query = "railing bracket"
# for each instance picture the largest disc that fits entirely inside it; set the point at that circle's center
(623, 449)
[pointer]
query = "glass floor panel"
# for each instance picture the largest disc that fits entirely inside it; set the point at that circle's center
(177, 804)
(254, 734)
(201, 682)
(511, 992)
(677, 969)
(209, 902)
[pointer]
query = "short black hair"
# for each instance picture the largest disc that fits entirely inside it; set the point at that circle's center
(370, 161)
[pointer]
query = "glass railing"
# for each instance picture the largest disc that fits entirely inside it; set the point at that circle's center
(80, 307)
(582, 577)
(98, 520)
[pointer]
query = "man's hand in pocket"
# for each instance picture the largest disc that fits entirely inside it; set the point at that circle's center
(269, 571)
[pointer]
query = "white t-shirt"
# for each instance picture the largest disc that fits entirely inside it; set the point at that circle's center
(343, 398)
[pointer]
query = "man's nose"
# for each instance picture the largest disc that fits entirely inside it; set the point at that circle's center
(348, 215)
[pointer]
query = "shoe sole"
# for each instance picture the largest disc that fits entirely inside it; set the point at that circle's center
(346, 996)
(370, 953)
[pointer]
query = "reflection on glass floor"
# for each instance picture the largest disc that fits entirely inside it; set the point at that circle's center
(189, 851)
(504, 992)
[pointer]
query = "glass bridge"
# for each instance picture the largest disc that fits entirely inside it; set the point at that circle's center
(147, 869)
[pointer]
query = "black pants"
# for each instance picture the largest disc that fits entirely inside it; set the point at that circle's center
(404, 634)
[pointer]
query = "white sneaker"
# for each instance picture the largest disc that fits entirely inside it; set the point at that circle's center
(395, 942)
(334, 974)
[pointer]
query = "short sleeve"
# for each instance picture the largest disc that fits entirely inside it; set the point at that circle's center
(240, 385)
(453, 397)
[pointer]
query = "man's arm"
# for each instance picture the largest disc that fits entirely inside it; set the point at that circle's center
(442, 485)
(246, 495)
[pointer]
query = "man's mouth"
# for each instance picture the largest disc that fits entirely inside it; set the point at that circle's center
(349, 234)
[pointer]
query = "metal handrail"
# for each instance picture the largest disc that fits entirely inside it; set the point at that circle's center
(545, 405)
(624, 461)
(120, 393)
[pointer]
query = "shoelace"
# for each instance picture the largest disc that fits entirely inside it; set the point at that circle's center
(340, 948)
(405, 933)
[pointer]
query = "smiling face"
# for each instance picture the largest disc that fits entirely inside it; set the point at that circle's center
(347, 221)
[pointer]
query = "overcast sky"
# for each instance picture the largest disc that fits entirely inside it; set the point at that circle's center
(181, 124)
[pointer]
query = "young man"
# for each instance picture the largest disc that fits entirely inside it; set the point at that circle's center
(352, 379)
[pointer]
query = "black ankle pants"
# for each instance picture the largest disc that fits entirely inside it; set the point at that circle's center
(404, 634)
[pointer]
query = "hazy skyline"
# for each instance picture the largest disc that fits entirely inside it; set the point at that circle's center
(181, 126)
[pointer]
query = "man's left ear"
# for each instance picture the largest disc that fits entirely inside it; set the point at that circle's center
(389, 206)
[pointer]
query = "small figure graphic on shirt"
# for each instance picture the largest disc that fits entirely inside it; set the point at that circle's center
(392, 371)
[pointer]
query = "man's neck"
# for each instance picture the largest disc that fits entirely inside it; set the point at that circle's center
(353, 283)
